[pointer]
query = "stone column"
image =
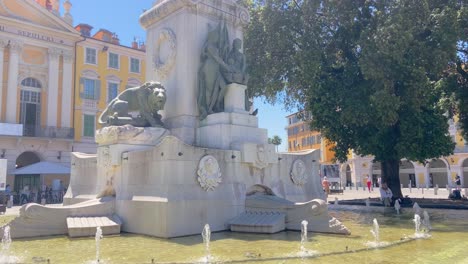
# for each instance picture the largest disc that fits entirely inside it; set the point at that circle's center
(3, 44)
(67, 89)
(12, 90)
(52, 89)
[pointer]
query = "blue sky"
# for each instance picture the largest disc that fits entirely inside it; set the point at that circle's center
(121, 17)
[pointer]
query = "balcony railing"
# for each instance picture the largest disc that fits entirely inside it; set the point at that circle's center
(48, 132)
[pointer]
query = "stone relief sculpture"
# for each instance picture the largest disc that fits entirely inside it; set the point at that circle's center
(146, 99)
(209, 173)
(219, 67)
(298, 172)
(165, 53)
(236, 70)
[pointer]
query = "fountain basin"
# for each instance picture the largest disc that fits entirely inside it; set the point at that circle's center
(396, 230)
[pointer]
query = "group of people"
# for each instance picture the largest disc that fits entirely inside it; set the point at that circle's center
(26, 194)
(386, 194)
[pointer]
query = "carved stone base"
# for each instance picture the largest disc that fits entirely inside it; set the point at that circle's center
(128, 134)
(234, 101)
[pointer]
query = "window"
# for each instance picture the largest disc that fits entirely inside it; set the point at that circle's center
(90, 89)
(134, 65)
(112, 90)
(88, 125)
(90, 56)
(113, 60)
(31, 82)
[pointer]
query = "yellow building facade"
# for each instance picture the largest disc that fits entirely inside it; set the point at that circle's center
(104, 68)
(55, 80)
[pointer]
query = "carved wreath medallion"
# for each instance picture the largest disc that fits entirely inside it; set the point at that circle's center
(298, 172)
(164, 52)
(209, 173)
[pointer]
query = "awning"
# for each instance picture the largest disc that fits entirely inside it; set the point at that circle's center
(43, 167)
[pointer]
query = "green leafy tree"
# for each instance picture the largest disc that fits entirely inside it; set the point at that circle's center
(276, 140)
(454, 85)
(367, 70)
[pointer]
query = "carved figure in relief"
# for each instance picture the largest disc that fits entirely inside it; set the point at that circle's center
(298, 173)
(211, 83)
(147, 100)
(220, 65)
(236, 70)
(209, 173)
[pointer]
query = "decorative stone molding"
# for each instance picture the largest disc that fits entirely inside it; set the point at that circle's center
(15, 46)
(3, 43)
(54, 53)
(229, 10)
(259, 156)
(68, 56)
(298, 172)
(164, 53)
(209, 173)
(128, 134)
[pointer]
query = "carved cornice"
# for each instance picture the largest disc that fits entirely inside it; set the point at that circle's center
(227, 9)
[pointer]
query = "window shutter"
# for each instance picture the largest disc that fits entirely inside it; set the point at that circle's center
(97, 89)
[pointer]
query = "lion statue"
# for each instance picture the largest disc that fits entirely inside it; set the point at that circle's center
(146, 99)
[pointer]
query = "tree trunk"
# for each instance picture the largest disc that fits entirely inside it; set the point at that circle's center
(391, 175)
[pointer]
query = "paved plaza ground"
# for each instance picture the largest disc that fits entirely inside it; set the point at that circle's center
(352, 194)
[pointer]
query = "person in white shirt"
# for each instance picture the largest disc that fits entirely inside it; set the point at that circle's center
(386, 194)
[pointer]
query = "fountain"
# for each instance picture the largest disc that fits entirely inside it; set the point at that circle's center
(98, 238)
(166, 181)
(336, 200)
(206, 235)
(397, 206)
(303, 237)
(426, 221)
(6, 240)
(376, 231)
(5, 255)
(416, 208)
(367, 202)
(417, 225)
(191, 137)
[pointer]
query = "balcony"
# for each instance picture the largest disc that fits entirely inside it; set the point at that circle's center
(7, 129)
(48, 132)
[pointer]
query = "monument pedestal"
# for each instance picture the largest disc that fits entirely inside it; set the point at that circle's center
(228, 130)
(234, 100)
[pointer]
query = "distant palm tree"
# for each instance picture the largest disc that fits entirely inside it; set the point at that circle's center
(276, 140)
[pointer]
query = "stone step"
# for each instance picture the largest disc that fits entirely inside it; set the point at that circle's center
(86, 226)
(259, 222)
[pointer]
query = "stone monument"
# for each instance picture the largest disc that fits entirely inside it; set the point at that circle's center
(193, 155)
